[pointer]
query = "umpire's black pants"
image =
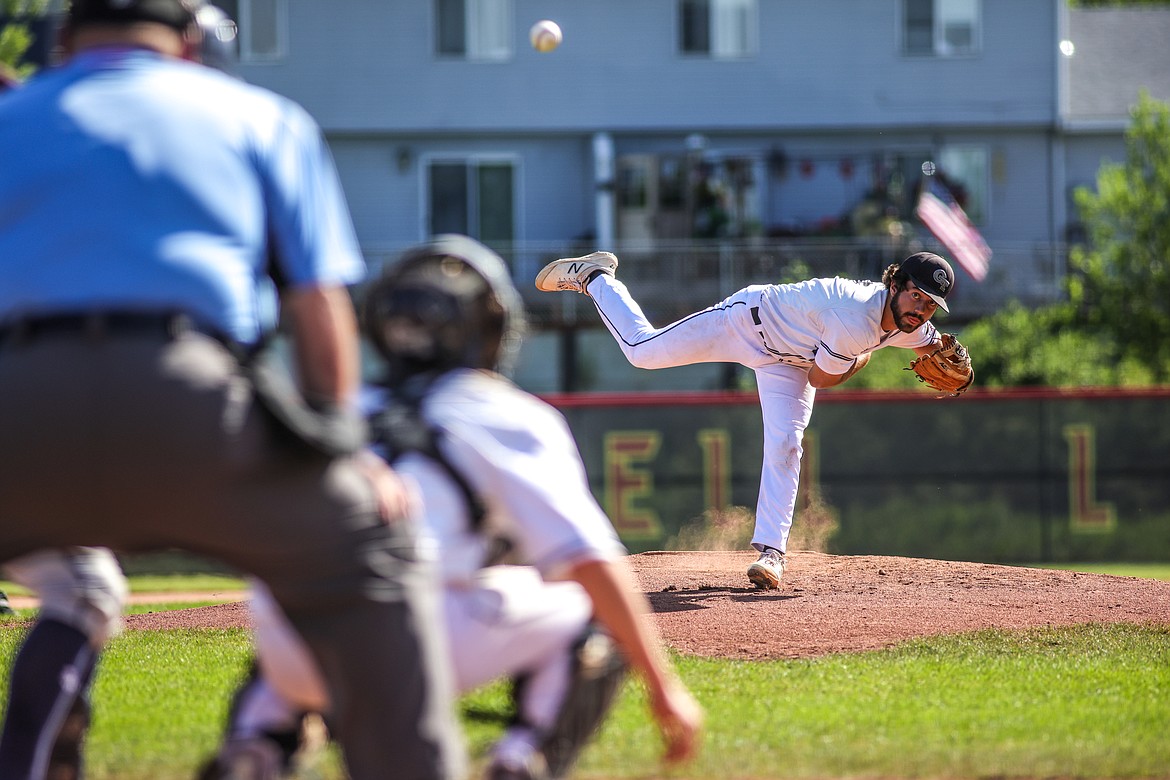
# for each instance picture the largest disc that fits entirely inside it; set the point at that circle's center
(140, 441)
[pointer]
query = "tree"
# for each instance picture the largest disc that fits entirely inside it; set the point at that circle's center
(1120, 281)
(15, 37)
(1114, 330)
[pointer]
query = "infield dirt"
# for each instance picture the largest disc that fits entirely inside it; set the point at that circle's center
(703, 604)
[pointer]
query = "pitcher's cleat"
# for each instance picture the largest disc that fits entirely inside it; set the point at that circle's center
(572, 274)
(766, 572)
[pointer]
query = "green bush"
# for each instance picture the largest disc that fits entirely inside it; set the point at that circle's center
(1045, 347)
(1114, 331)
(1020, 347)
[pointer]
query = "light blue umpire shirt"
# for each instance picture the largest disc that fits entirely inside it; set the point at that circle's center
(130, 181)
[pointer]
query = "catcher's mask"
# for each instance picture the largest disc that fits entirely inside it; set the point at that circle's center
(447, 303)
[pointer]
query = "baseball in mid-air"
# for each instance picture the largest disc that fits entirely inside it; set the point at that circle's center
(545, 35)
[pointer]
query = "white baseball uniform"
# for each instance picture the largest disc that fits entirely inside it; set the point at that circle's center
(82, 587)
(779, 331)
(518, 456)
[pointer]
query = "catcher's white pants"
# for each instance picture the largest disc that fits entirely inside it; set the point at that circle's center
(507, 621)
(82, 587)
(725, 333)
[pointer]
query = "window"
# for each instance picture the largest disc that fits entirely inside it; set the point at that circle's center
(965, 170)
(941, 28)
(631, 187)
(721, 29)
(473, 197)
(473, 29)
(262, 27)
(672, 182)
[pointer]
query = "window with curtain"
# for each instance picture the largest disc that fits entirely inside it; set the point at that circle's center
(940, 28)
(720, 29)
(473, 29)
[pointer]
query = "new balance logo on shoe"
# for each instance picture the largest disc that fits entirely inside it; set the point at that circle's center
(573, 273)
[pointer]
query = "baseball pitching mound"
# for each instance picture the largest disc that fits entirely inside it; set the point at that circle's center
(704, 605)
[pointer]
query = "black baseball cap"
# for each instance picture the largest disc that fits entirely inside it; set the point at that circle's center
(931, 274)
(178, 14)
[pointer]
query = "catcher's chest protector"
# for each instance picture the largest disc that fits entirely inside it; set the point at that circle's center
(400, 429)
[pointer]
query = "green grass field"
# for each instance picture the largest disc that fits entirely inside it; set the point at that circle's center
(1087, 701)
(1154, 571)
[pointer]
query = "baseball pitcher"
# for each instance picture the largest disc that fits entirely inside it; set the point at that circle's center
(796, 338)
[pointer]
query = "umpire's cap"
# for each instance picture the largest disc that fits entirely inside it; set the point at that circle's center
(221, 48)
(931, 274)
(178, 14)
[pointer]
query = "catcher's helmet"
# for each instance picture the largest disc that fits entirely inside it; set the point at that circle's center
(445, 304)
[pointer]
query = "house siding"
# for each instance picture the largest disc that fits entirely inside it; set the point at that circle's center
(828, 86)
(369, 65)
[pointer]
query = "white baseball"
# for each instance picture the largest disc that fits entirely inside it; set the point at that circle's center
(545, 35)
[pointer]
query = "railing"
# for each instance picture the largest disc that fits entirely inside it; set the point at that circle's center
(673, 279)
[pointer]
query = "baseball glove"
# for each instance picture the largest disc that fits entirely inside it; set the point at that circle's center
(947, 369)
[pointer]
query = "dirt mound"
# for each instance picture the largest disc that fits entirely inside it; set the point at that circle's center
(704, 605)
(231, 615)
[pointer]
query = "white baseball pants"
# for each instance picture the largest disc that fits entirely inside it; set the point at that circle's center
(82, 587)
(726, 333)
(507, 621)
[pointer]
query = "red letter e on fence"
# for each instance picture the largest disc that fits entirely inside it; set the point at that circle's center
(625, 482)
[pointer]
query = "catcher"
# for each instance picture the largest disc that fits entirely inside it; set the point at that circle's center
(500, 479)
(797, 338)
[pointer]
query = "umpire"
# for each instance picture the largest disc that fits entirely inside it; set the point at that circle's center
(146, 203)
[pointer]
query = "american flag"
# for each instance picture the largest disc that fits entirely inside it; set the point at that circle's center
(942, 215)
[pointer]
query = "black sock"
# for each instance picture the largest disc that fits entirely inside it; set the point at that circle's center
(52, 671)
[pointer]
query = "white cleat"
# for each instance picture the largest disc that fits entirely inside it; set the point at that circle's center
(573, 273)
(767, 571)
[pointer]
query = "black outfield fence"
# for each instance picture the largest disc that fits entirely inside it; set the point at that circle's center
(996, 476)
